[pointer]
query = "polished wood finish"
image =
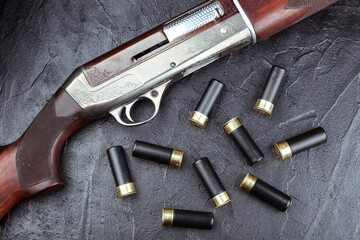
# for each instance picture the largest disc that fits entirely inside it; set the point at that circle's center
(267, 16)
(272, 16)
(31, 165)
(10, 189)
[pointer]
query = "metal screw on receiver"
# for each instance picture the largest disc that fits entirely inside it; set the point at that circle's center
(154, 93)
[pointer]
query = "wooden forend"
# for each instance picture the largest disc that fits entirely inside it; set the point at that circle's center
(272, 16)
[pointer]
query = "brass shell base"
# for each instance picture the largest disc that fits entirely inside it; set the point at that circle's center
(283, 150)
(232, 125)
(248, 182)
(264, 107)
(167, 217)
(126, 189)
(221, 199)
(198, 119)
(176, 158)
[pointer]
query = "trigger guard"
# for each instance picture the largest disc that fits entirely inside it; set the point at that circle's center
(117, 113)
(155, 100)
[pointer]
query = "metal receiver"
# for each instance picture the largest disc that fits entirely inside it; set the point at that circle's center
(183, 53)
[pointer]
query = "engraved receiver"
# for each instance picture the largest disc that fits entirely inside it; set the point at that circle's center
(141, 68)
(144, 67)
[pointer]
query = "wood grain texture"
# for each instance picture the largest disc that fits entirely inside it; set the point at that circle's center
(10, 189)
(272, 16)
(321, 55)
(31, 165)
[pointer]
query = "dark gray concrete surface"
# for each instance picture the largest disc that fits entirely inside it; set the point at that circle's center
(41, 42)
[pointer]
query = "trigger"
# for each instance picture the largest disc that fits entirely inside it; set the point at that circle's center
(153, 95)
(128, 110)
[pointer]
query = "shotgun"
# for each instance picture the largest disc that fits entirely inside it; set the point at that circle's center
(139, 69)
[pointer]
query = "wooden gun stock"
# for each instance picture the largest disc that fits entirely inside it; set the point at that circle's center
(31, 165)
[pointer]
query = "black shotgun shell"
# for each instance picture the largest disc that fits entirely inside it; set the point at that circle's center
(187, 219)
(123, 180)
(265, 104)
(158, 153)
(212, 182)
(200, 116)
(300, 143)
(265, 192)
(242, 138)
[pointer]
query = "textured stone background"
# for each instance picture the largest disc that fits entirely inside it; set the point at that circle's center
(43, 41)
